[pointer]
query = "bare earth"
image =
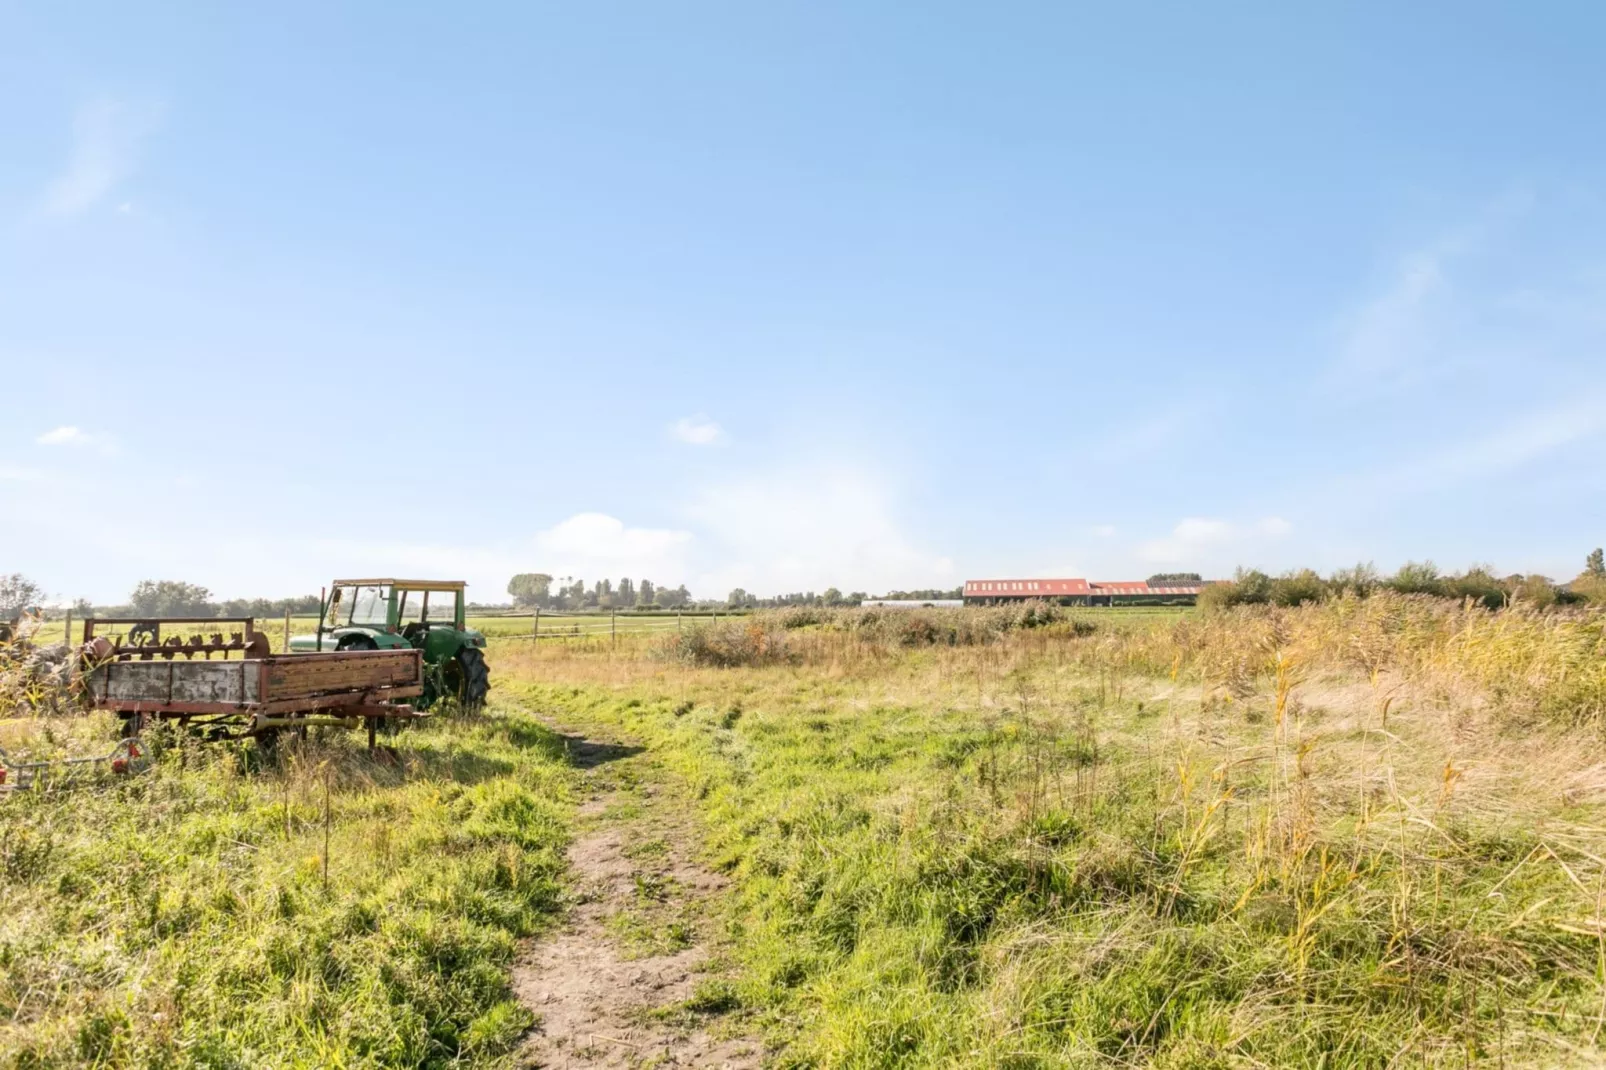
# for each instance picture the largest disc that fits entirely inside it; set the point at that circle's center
(607, 988)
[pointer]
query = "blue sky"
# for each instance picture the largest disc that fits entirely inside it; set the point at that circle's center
(791, 295)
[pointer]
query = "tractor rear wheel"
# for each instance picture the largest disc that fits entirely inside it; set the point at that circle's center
(468, 678)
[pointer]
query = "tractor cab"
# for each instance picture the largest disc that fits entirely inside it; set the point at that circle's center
(387, 614)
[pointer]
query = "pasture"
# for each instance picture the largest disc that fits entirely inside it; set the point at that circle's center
(1368, 832)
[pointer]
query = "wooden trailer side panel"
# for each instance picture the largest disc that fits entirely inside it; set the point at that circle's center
(177, 683)
(292, 681)
(297, 676)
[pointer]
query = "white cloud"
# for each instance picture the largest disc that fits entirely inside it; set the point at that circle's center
(64, 436)
(697, 430)
(16, 474)
(808, 528)
(106, 138)
(595, 544)
(1104, 531)
(78, 438)
(1207, 541)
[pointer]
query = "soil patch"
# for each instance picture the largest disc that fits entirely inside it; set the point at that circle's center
(618, 984)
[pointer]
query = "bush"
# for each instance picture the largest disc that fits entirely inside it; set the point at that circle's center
(755, 640)
(1479, 584)
(1417, 577)
(1296, 588)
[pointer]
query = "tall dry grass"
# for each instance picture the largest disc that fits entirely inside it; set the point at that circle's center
(1363, 833)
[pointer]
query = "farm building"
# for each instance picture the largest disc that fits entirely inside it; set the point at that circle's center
(1080, 592)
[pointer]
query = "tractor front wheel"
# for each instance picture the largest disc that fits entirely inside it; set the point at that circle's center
(468, 678)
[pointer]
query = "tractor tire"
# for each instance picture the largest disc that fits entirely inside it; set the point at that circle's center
(469, 678)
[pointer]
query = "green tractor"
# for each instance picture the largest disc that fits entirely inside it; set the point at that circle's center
(392, 614)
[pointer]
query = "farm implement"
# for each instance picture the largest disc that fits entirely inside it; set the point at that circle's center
(149, 671)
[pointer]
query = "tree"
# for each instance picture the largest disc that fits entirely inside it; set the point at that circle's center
(171, 598)
(1361, 580)
(737, 598)
(1595, 565)
(1166, 579)
(832, 596)
(17, 593)
(530, 589)
(1417, 577)
(627, 594)
(647, 593)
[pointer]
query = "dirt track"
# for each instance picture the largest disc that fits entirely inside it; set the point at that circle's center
(611, 987)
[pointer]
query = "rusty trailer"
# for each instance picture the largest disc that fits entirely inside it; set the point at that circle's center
(150, 671)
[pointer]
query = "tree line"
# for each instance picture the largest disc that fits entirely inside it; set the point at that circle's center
(153, 598)
(1479, 583)
(536, 590)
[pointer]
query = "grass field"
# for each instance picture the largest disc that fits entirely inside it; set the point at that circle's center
(1365, 833)
(559, 626)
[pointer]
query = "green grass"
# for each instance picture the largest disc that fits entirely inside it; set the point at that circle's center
(599, 625)
(184, 917)
(994, 857)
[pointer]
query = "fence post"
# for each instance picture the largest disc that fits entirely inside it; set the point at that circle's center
(66, 634)
(286, 631)
(677, 620)
(613, 626)
(536, 633)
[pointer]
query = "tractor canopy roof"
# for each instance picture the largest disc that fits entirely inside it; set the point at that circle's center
(409, 585)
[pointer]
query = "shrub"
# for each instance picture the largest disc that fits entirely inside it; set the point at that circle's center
(755, 640)
(1417, 577)
(1296, 588)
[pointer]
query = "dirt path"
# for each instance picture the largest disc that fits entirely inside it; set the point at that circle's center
(629, 980)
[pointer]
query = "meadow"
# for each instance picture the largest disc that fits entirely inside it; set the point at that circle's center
(1362, 832)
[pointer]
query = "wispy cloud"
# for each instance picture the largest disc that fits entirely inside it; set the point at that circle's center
(73, 437)
(697, 430)
(1402, 333)
(1528, 438)
(64, 436)
(106, 137)
(1201, 541)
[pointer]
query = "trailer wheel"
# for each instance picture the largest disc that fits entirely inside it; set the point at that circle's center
(468, 678)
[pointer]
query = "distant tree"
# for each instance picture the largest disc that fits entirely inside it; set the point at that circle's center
(1165, 579)
(17, 593)
(530, 589)
(855, 597)
(832, 597)
(1361, 580)
(572, 596)
(1595, 564)
(1536, 590)
(1294, 588)
(171, 598)
(82, 607)
(645, 593)
(737, 598)
(1417, 577)
(626, 595)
